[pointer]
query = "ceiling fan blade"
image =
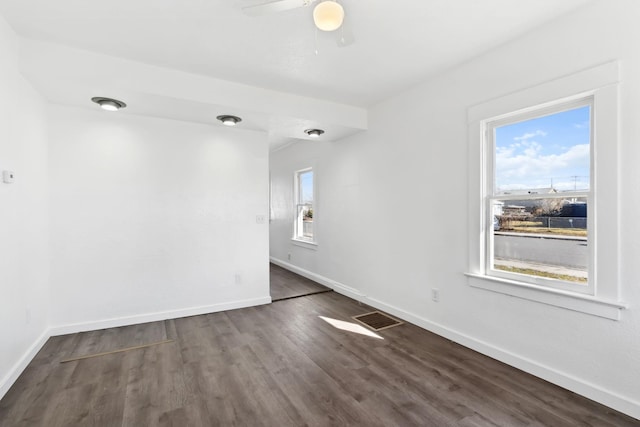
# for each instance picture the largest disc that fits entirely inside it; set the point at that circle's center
(274, 7)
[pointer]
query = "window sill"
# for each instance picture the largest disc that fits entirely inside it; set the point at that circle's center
(305, 244)
(582, 303)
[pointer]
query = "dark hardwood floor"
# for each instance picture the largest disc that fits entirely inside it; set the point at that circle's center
(282, 365)
(284, 284)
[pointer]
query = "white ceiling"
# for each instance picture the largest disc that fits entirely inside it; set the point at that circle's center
(398, 42)
(194, 59)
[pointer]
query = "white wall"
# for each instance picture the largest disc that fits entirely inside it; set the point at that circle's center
(392, 214)
(23, 216)
(117, 219)
(153, 218)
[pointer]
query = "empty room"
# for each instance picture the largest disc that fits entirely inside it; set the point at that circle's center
(319, 212)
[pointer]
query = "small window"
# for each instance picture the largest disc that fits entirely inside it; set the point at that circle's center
(303, 228)
(538, 195)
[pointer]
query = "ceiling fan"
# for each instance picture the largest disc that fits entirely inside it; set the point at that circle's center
(328, 15)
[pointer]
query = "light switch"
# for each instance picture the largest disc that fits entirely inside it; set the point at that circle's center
(8, 177)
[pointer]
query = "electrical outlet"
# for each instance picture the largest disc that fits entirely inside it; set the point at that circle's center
(435, 294)
(238, 279)
(261, 219)
(288, 257)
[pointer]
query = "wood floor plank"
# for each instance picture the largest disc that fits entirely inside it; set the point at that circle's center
(68, 407)
(527, 389)
(193, 414)
(310, 389)
(141, 401)
(285, 284)
(110, 339)
(34, 394)
(283, 365)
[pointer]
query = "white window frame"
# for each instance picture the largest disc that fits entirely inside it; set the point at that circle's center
(488, 128)
(601, 83)
(298, 236)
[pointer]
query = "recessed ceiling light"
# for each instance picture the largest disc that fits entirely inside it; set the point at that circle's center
(314, 133)
(229, 120)
(108, 104)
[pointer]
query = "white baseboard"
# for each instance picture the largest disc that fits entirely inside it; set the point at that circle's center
(21, 364)
(620, 403)
(155, 317)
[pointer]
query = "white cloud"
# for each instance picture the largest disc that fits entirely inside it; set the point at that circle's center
(530, 135)
(528, 167)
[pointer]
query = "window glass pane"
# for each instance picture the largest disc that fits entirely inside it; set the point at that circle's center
(544, 154)
(306, 187)
(542, 237)
(304, 217)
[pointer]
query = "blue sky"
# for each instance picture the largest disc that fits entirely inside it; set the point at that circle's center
(306, 187)
(533, 153)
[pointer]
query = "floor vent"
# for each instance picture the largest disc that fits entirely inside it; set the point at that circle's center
(377, 320)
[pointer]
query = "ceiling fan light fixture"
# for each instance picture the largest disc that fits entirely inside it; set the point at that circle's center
(314, 133)
(328, 15)
(108, 104)
(229, 120)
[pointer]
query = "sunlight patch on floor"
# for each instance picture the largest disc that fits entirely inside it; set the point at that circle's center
(350, 327)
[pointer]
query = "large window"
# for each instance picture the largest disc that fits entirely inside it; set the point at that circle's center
(538, 194)
(544, 202)
(303, 228)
